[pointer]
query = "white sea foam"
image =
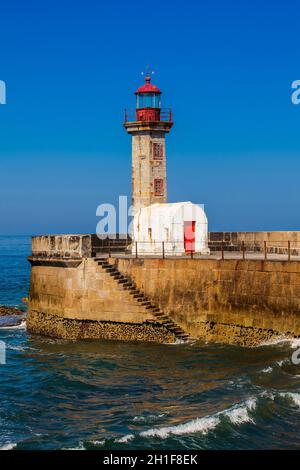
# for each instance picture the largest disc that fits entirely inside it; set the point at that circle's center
(142, 419)
(15, 348)
(237, 414)
(267, 394)
(267, 370)
(176, 342)
(99, 443)
(202, 425)
(125, 439)
(294, 342)
(295, 397)
(22, 326)
(9, 446)
(272, 342)
(79, 447)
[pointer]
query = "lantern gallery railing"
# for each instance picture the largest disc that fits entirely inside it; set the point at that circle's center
(266, 251)
(161, 114)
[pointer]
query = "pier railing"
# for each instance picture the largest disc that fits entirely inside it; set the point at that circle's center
(86, 246)
(260, 250)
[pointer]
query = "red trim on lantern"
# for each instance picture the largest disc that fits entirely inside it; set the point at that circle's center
(148, 88)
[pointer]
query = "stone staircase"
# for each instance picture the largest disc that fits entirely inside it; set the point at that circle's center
(139, 297)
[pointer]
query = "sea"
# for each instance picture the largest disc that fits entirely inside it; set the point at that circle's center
(109, 395)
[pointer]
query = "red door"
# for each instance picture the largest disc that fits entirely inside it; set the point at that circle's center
(189, 236)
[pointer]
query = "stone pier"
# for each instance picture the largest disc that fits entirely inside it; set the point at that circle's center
(73, 295)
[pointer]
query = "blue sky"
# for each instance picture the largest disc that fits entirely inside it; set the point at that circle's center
(225, 67)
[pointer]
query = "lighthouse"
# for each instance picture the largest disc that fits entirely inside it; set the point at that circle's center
(148, 125)
(158, 227)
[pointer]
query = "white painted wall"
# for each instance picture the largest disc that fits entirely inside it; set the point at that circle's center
(165, 222)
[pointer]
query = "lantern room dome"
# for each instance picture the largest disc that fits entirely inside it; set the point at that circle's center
(148, 87)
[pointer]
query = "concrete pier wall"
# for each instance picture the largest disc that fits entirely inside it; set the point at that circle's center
(84, 302)
(231, 301)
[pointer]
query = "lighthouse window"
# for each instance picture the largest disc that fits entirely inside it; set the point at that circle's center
(158, 187)
(148, 100)
(157, 151)
(156, 99)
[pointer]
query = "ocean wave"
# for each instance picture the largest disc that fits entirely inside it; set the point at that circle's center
(146, 418)
(267, 370)
(283, 361)
(98, 443)
(9, 446)
(125, 439)
(281, 340)
(274, 341)
(293, 396)
(79, 447)
(22, 326)
(202, 425)
(240, 414)
(295, 343)
(15, 348)
(237, 414)
(176, 342)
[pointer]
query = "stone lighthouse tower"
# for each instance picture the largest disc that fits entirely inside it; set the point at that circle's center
(148, 124)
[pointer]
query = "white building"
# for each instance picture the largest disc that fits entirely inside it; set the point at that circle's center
(176, 228)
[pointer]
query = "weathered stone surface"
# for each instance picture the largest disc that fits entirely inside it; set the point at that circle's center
(145, 169)
(230, 301)
(86, 293)
(57, 327)
(62, 246)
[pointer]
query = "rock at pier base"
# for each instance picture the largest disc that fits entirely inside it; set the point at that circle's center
(7, 310)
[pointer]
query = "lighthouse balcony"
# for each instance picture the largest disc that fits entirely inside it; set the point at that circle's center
(148, 115)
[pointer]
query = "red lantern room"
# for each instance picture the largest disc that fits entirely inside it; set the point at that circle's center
(148, 102)
(148, 108)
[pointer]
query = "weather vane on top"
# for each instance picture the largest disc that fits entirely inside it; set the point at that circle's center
(148, 72)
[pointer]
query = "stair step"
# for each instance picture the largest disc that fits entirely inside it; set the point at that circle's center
(129, 285)
(182, 334)
(177, 331)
